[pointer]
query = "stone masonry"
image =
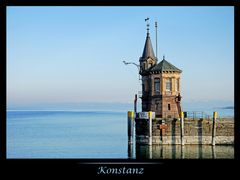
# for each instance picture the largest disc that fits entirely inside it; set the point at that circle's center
(195, 132)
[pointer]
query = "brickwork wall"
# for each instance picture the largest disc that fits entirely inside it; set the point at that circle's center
(163, 98)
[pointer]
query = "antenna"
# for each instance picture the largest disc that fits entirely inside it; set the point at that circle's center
(156, 39)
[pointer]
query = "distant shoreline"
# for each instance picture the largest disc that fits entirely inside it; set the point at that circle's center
(227, 117)
(228, 107)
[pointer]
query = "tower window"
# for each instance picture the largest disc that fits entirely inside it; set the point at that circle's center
(177, 85)
(169, 107)
(146, 85)
(150, 64)
(143, 66)
(157, 85)
(157, 105)
(168, 84)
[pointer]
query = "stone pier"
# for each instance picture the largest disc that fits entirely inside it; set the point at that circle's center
(167, 131)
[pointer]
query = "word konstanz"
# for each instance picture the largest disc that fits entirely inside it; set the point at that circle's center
(122, 170)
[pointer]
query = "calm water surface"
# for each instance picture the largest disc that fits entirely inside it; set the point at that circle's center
(78, 134)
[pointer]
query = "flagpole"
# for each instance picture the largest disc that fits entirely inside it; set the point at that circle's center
(156, 39)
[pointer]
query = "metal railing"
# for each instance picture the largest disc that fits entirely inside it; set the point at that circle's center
(196, 115)
(191, 115)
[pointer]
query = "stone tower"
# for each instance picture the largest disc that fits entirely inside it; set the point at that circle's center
(160, 84)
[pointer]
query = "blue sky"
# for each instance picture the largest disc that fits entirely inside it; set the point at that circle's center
(75, 54)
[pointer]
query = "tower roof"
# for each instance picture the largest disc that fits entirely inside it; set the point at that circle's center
(165, 66)
(148, 50)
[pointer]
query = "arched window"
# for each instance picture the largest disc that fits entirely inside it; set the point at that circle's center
(157, 85)
(168, 84)
(143, 66)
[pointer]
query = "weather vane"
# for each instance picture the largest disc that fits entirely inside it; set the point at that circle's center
(147, 19)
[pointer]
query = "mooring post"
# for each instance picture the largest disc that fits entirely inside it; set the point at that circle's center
(135, 104)
(130, 151)
(150, 114)
(214, 128)
(182, 128)
(130, 126)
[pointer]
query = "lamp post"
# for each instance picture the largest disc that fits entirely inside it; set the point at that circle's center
(135, 100)
(138, 66)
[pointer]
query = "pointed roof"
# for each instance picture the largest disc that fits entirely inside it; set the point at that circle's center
(148, 50)
(165, 66)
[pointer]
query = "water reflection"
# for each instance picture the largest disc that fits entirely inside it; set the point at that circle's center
(144, 152)
(184, 152)
(173, 139)
(213, 152)
(130, 151)
(200, 148)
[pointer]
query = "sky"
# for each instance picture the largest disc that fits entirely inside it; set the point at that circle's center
(75, 54)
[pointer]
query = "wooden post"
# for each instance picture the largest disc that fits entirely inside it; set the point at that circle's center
(150, 114)
(214, 128)
(213, 152)
(135, 104)
(182, 128)
(130, 126)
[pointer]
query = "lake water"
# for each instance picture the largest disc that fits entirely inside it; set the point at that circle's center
(87, 134)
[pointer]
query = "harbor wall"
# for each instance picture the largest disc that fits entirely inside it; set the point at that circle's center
(195, 131)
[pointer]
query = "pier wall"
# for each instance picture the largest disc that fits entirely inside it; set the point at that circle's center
(195, 132)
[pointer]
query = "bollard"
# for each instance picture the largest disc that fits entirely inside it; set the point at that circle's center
(214, 128)
(150, 114)
(135, 104)
(182, 128)
(130, 126)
